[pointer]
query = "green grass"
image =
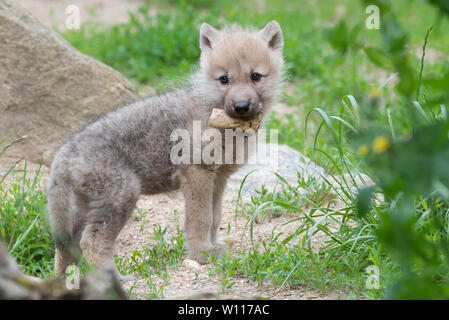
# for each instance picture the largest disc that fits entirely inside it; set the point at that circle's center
(155, 262)
(24, 225)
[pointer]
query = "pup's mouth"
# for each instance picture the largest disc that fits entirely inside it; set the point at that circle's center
(220, 119)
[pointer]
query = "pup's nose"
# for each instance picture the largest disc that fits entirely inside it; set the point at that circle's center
(241, 107)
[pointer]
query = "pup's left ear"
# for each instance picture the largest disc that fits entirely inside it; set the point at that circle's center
(272, 34)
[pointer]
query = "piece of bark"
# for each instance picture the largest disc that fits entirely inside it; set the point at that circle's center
(220, 120)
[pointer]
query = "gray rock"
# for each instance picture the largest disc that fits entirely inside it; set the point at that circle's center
(291, 165)
(49, 90)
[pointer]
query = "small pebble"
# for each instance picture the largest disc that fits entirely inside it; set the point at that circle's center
(192, 264)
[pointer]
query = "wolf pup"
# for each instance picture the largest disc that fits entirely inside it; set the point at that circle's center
(98, 175)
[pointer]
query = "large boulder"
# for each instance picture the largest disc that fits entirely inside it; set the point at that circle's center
(49, 90)
(286, 162)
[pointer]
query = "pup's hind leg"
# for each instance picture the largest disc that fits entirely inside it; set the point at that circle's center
(109, 197)
(65, 256)
(100, 232)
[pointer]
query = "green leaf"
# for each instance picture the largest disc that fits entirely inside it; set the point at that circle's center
(378, 57)
(364, 200)
(338, 37)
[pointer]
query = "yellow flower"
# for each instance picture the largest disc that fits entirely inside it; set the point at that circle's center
(363, 150)
(381, 144)
(375, 93)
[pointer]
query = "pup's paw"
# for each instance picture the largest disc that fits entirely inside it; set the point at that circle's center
(123, 277)
(127, 277)
(201, 255)
(219, 248)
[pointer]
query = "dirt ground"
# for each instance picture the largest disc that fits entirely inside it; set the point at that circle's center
(188, 281)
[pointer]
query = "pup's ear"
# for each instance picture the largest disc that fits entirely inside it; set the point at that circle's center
(208, 36)
(272, 34)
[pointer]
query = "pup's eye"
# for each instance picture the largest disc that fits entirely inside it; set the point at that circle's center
(256, 76)
(224, 80)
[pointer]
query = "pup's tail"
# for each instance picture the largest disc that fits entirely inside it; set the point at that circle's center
(59, 207)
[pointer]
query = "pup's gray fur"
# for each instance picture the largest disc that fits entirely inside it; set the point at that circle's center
(98, 175)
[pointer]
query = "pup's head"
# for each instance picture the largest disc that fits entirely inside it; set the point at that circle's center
(245, 66)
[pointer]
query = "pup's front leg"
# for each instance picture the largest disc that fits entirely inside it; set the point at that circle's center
(220, 185)
(197, 185)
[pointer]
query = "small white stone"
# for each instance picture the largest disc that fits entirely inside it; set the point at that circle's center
(192, 264)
